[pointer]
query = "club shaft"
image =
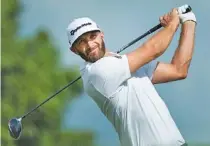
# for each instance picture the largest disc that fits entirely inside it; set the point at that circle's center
(140, 37)
(72, 82)
(69, 84)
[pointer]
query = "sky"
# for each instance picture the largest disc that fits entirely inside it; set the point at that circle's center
(188, 100)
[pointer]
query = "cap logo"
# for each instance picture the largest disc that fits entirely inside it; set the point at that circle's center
(75, 30)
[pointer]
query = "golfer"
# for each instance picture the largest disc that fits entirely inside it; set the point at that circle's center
(123, 85)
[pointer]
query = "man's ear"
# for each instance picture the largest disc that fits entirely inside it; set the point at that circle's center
(73, 50)
(102, 35)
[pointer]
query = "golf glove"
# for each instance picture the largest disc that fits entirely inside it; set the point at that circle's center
(190, 16)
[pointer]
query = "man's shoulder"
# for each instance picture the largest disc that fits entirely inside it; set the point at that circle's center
(88, 69)
(105, 64)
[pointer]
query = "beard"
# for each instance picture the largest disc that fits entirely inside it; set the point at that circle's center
(85, 55)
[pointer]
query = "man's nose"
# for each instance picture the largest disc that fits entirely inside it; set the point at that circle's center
(90, 43)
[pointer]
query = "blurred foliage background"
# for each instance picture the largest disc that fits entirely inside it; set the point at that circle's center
(30, 72)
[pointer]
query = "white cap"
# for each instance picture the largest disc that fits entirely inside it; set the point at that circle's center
(78, 27)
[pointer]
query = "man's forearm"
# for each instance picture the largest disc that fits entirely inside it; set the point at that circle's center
(184, 52)
(159, 42)
(151, 49)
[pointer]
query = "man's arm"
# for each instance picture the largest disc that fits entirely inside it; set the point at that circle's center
(156, 45)
(178, 68)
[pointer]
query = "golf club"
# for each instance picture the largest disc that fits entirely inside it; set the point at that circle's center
(15, 125)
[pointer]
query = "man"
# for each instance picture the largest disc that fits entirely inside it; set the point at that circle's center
(123, 85)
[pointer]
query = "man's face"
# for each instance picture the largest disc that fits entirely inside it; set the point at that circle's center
(90, 46)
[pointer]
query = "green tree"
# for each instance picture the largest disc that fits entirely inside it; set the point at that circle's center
(30, 72)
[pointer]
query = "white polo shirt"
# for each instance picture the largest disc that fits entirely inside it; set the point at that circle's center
(130, 102)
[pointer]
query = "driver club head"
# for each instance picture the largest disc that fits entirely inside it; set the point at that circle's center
(15, 127)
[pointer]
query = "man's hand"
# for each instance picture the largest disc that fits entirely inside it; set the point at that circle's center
(190, 16)
(171, 18)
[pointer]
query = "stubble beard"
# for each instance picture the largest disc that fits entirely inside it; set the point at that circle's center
(93, 59)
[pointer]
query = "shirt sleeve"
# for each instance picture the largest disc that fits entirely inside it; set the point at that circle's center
(148, 69)
(108, 73)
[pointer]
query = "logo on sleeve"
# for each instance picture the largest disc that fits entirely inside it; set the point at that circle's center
(118, 56)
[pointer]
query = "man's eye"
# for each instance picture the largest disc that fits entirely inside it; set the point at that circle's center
(92, 36)
(81, 42)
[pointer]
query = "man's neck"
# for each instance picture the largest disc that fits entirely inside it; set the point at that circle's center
(109, 53)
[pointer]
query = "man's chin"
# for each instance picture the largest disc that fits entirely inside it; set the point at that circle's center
(92, 60)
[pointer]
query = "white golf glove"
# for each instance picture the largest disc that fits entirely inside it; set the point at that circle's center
(190, 16)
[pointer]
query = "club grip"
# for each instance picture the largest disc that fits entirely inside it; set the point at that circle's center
(181, 10)
(184, 9)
